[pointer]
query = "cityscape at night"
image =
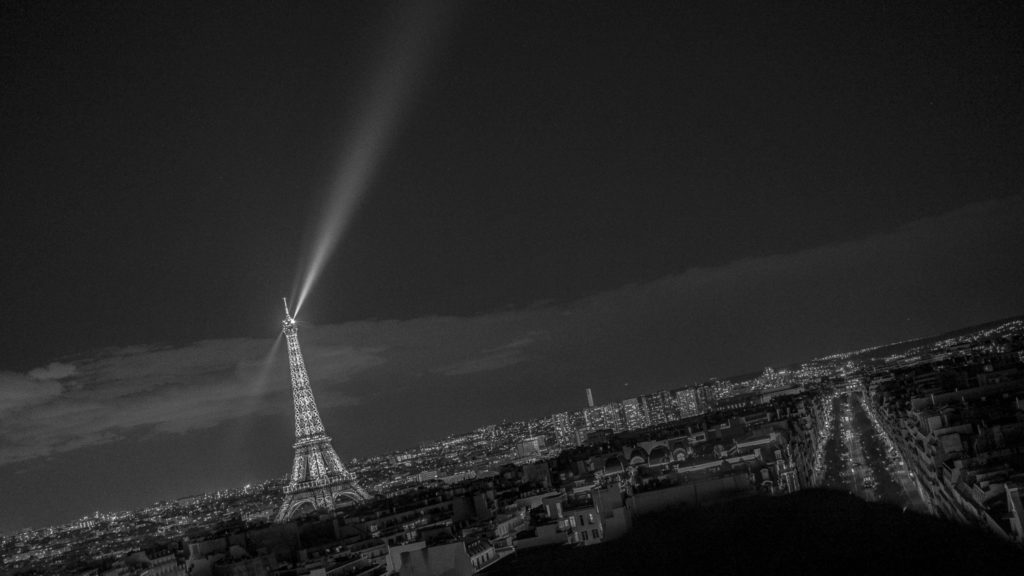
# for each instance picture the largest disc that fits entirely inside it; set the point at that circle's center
(931, 427)
(453, 288)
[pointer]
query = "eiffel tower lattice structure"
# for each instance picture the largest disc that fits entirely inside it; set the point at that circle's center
(318, 477)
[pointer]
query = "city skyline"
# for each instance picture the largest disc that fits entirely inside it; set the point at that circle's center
(559, 199)
(579, 409)
(927, 425)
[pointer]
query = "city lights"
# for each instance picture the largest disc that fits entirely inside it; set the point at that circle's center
(828, 424)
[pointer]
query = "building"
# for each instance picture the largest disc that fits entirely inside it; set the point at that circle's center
(451, 559)
(685, 402)
(658, 408)
(633, 414)
(530, 447)
(565, 429)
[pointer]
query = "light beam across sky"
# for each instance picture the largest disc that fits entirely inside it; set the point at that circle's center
(379, 113)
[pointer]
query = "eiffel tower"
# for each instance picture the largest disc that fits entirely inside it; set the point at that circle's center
(318, 477)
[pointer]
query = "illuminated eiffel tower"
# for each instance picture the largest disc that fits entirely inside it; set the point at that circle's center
(318, 477)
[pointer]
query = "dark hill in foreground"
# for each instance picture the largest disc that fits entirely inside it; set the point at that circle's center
(811, 532)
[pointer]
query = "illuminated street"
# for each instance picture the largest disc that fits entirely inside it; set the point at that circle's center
(857, 460)
(898, 487)
(835, 454)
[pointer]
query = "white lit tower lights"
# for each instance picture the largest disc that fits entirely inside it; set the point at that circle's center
(318, 477)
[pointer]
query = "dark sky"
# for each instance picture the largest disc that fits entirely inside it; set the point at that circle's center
(568, 195)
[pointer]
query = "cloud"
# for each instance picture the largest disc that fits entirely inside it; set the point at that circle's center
(21, 391)
(490, 359)
(407, 376)
(55, 371)
(100, 399)
(484, 364)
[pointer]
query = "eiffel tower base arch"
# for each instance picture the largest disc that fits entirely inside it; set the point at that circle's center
(321, 498)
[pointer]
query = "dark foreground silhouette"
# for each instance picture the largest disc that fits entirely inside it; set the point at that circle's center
(811, 532)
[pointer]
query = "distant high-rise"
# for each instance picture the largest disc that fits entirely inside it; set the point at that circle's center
(590, 398)
(318, 477)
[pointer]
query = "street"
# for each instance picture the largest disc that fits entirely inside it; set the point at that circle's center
(858, 460)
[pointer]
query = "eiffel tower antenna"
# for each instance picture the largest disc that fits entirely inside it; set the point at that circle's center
(318, 477)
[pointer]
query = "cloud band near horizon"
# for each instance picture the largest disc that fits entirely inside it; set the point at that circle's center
(932, 275)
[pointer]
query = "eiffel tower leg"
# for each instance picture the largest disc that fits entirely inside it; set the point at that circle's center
(282, 512)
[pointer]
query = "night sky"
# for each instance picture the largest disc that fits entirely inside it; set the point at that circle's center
(551, 196)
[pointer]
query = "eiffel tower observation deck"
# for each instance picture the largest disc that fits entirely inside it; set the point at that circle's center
(318, 480)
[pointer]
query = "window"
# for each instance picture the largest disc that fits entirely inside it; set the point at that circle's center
(595, 534)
